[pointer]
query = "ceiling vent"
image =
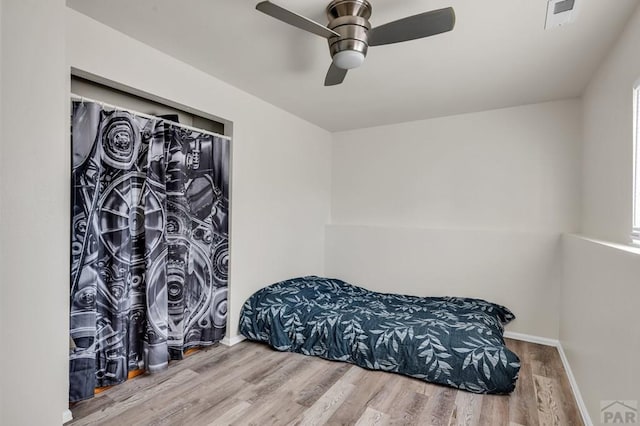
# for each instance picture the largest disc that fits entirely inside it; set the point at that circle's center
(560, 12)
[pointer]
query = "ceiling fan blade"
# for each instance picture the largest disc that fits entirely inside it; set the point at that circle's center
(294, 19)
(413, 27)
(335, 75)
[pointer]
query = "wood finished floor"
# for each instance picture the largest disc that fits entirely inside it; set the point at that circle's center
(251, 384)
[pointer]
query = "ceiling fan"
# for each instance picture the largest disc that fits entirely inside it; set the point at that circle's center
(350, 34)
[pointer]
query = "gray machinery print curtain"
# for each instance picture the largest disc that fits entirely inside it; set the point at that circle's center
(149, 244)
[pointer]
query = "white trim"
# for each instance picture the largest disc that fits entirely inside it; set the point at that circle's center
(233, 340)
(531, 339)
(617, 246)
(582, 407)
(574, 387)
(635, 231)
(67, 416)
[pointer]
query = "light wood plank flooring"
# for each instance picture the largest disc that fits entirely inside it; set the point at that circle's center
(251, 384)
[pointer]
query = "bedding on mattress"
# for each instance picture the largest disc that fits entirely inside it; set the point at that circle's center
(446, 340)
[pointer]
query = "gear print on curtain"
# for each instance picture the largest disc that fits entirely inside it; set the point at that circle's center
(149, 244)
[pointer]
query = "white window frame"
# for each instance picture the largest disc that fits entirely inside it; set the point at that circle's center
(635, 233)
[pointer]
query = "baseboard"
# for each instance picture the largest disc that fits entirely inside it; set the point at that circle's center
(233, 340)
(582, 407)
(574, 387)
(531, 339)
(67, 416)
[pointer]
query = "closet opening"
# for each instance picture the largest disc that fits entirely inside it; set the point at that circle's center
(150, 214)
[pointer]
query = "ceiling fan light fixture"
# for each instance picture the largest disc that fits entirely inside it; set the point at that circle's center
(350, 35)
(348, 59)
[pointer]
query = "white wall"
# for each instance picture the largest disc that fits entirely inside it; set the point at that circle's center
(517, 269)
(34, 213)
(608, 134)
(599, 328)
(510, 169)
(599, 320)
(468, 205)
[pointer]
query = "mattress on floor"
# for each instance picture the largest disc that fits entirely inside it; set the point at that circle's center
(451, 341)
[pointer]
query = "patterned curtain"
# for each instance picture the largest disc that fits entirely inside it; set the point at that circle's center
(149, 244)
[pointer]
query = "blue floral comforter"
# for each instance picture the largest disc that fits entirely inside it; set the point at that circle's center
(451, 341)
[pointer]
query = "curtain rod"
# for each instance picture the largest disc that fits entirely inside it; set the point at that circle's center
(142, 114)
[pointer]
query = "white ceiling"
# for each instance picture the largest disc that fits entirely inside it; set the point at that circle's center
(498, 55)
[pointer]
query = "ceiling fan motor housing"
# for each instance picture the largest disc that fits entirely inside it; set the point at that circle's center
(350, 19)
